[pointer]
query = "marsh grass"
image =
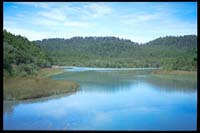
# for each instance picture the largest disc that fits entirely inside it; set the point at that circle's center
(21, 88)
(176, 74)
(46, 72)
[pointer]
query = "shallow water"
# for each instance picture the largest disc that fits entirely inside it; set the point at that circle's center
(110, 100)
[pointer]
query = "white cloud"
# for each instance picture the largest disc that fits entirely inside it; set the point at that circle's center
(145, 26)
(20, 15)
(53, 33)
(142, 17)
(54, 14)
(35, 4)
(30, 34)
(77, 24)
(98, 9)
(15, 7)
(45, 22)
(139, 22)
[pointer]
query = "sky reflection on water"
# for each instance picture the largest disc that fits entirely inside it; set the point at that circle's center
(110, 101)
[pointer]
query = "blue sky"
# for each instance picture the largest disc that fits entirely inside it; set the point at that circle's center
(137, 21)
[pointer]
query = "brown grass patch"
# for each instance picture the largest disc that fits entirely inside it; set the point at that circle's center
(18, 88)
(46, 72)
(175, 72)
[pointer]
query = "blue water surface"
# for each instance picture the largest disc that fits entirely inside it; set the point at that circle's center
(110, 100)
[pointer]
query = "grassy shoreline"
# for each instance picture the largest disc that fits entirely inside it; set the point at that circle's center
(31, 87)
(175, 72)
(46, 72)
(23, 88)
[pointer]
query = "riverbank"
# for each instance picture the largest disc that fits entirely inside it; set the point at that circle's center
(31, 87)
(46, 72)
(176, 74)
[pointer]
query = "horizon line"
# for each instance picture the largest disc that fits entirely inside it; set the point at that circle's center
(121, 38)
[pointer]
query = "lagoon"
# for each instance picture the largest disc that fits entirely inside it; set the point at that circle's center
(110, 99)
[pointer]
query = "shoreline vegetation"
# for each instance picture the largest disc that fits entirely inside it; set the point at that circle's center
(27, 65)
(40, 86)
(176, 74)
(46, 72)
(169, 53)
(31, 87)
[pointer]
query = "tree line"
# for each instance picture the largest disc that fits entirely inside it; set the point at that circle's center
(170, 52)
(23, 57)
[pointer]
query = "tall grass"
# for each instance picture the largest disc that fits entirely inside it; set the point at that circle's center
(19, 88)
(176, 74)
(46, 72)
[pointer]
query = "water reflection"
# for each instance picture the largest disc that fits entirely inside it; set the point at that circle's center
(119, 80)
(113, 81)
(164, 84)
(8, 106)
(117, 100)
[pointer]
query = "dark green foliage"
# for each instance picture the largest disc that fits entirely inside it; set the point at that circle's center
(22, 57)
(178, 53)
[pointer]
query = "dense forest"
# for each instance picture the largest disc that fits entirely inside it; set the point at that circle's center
(170, 52)
(22, 57)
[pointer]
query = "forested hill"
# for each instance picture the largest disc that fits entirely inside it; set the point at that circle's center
(171, 52)
(22, 57)
(186, 41)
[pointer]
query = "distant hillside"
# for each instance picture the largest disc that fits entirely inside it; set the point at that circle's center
(167, 52)
(88, 46)
(20, 56)
(185, 41)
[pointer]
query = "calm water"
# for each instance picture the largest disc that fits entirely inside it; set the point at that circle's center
(110, 100)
